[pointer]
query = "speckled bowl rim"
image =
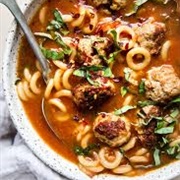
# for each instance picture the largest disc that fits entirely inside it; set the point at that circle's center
(29, 134)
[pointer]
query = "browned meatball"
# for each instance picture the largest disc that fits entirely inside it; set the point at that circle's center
(148, 138)
(162, 84)
(151, 35)
(89, 49)
(109, 4)
(88, 96)
(111, 129)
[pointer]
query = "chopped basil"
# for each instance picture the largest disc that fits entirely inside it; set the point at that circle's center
(66, 49)
(79, 73)
(85, 73)
(127, 73)
(145, 103)
(58, 23)
(142, 87)
(114, 35)
(85, 151)
(176, 100)
(137, 4)
(174, 151)
(156, 156)
(174, 113)
(44, 35)
(124, 91)
(163, 129)
(124, 109)
(52, 54)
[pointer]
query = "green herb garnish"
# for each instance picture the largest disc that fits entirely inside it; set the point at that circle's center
(124, 109)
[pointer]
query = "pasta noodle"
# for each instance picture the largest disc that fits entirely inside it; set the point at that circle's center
(165, 49)
(20, 91)
(85, 140)
(33, 83)
(27, 91)
(63, 93)
(27, 74)
(60, 65)
(89, 161)
(125, 42)
(49, 88)
(110, 159)
(130, 144)
(122, 169)
(77, 22)
(57, 79)
(65, 78)
(139, 159)
(138, 51)
(57, 103)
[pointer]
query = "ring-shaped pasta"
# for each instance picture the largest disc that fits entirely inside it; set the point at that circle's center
(85, 170)
(21, 93)
(42, 14)
(138, 51)
(77, 22)
(95, 169)
(126, 43)
(58, 103)
(57, 79)
(27, 91)
(128, 100)
(122, 169)
(109, 163)
(89, 161)
(93, 20)
(27, 74)
(49, 88)
(139, 159)
(67, 18)
(61, 117)
(165, 49)
(130, 144)
(85, 140)
(63, 93)
(65, 78)
(82, 130)
(33, 83)
(141, 152)
(60, 65)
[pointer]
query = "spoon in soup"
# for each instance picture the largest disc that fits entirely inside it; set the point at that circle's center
(14, 8)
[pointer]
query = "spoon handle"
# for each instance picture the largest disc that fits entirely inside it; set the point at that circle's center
(14, 8)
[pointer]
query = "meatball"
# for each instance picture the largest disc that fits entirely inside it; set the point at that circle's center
(111, 129)
(162, 84)
(89, 49)
(148, 138)
(112, 4)
(151, 35)
(88, 96)
(118, 4)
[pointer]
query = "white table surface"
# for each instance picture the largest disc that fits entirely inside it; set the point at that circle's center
(5, 22)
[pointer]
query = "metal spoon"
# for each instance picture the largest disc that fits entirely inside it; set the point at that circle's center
(14, 8)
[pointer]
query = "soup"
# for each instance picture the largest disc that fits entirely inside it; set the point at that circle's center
(113, 96)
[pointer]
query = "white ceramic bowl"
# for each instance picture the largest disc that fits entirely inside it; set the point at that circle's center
(26, 130)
